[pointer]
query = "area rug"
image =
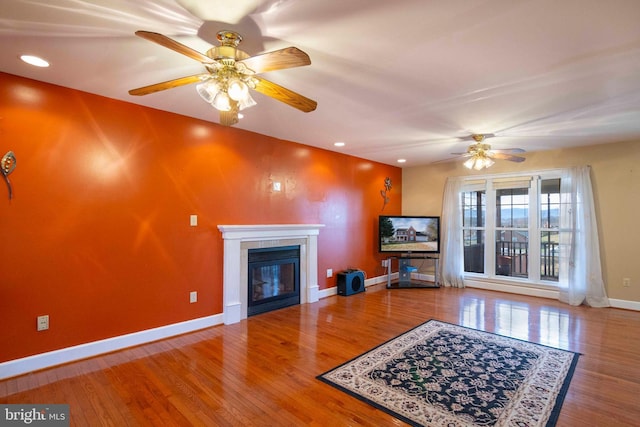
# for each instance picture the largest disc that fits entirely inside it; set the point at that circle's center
(440, 374)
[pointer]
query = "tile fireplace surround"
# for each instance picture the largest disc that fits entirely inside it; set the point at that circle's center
(238, 239)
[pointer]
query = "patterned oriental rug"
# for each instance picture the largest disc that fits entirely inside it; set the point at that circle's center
(440, 374)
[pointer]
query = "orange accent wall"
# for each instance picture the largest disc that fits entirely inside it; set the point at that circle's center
(97, 235)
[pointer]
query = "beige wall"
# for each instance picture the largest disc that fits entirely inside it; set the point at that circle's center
(616, 183)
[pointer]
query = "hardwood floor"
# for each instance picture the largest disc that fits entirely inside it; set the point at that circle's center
(261, 372)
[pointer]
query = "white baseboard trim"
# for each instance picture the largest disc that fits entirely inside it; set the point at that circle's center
(624, 304)
(512, 289)
(324, 293)
(36, 362)
(379, 279)
(543, 293)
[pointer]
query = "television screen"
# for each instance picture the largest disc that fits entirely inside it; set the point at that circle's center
(409, 234)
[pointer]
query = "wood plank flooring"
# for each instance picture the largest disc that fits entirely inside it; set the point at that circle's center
(261, 371)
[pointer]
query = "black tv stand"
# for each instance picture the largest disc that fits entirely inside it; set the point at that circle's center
(405, 269)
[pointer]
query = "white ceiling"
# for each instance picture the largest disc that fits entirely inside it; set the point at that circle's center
(393, 79)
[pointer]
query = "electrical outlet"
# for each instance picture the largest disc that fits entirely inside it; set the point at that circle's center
(43, 322)
(193, 297)
(626, 282)
(329, 272)
(193, 220)
(385, 263)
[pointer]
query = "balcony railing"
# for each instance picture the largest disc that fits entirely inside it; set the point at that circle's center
(512, 259)
(549, 261)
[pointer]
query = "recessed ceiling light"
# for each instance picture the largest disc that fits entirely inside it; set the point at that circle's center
(34, 60)
(402, 160)
(339, 144)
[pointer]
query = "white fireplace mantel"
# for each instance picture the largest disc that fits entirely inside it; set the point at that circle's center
(238, 239)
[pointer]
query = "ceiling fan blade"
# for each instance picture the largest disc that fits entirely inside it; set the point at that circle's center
(451, 159)
(503, 156)
(170, 84)
(508, 150)
(289, 57)
(285, 95)
(165, 41)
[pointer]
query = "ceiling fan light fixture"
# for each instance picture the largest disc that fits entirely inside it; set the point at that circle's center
(246, 102)
(221, 101)
(205, 91)
(469, 163)
(487, 162)
(478, 162)
(237, 89)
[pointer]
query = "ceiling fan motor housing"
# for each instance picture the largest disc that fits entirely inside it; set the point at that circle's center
(222, 53)
(479, 149)
(228, 49)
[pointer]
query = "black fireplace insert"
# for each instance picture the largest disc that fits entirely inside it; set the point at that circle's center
(274, 278)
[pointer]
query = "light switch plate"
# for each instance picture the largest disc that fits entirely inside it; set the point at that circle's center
(43, 322)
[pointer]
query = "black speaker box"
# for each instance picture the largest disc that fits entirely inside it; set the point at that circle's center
(350, 282)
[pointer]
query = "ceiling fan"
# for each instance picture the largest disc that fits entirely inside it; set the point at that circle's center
(480, 155)
(230, 73)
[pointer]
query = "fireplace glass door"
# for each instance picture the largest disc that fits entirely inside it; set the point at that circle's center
(274, 278)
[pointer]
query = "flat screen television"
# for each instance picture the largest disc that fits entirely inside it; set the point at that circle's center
(409, 234)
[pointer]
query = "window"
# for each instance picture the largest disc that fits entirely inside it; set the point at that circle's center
(549, 228)
(510, 228)
(512, 232)
(473, 225)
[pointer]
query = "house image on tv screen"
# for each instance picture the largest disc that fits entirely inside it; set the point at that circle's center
(409, 234)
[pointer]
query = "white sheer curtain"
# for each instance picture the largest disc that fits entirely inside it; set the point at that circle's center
(452, 253)
(580, 280)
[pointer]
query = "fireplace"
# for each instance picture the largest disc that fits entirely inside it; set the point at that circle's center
(239, 239)
(274, 278)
